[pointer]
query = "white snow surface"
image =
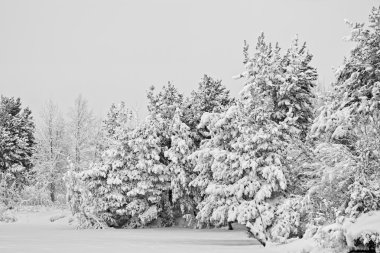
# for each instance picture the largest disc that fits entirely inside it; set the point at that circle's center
(34, 233)
(369, 222)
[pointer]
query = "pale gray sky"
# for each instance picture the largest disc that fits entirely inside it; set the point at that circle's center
(114, 50)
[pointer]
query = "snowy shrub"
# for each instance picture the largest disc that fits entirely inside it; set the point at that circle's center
(346, 132)
(6, 216)
(364, 232)
(5, 213)
(364, 197)
(331, 237)
(328, 191)
(347, 173)
(350, 234)
(149, 215)
(340, 188)
(310, 231)
(36, 194)
(9, 192)
(287, 220)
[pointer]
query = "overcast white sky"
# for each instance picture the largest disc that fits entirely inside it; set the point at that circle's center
(114, 50)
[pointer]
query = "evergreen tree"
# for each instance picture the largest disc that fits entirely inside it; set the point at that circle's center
(162, 107)
(294, 100)
(118, 119)
(245, 153)
(16, 146)
(151, 194)
(357, 88)
(180, 167)
(245, 166)
(211, 96)
(130, 187)
(98, 194)
(164, 103)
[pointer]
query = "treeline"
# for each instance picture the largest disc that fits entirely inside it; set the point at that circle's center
(209, 158)
(280, 158)
(34, 157)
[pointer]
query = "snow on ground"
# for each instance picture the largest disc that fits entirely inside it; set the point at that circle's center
(34, 233)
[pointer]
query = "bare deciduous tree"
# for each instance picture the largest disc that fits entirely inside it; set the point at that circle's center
(51, 154)
(82, 130)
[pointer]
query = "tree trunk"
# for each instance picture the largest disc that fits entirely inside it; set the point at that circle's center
(52, 192)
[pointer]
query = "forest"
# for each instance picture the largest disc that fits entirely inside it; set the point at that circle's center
(284, 158)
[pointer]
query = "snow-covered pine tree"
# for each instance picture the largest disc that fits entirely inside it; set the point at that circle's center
(185, 197)
(211, 155)
(244, 163)
(294, 110)
(357, 88)
(118, 119)
(131, 186)
(162, 107)
(294, 97)
(211, 96)
(151, 195)
(97, 196)
(16, 147)
(165, 102)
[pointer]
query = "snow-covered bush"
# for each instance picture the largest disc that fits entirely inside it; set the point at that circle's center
(331, 237)
(9, 192)
(348, 234)
(346, 180)
(288, 219)
(5, 215)
(364, 232)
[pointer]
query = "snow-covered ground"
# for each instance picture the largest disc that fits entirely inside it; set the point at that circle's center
(34, 233)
